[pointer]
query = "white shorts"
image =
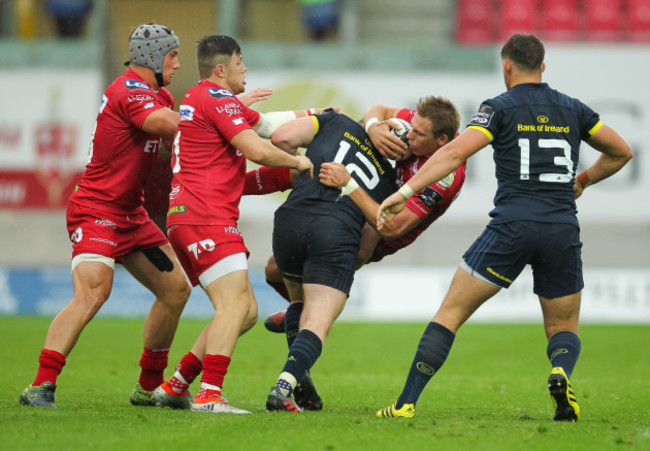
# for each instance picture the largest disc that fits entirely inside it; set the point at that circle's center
(231, 263)
(92, 258)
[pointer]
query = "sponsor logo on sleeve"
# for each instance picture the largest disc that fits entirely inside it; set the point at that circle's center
(447, 181)
(238, 121)
(219, 93)
(429, 197)
(186, 112)
(103, 104)
(136, 84)
(483, 116)
(148, 105)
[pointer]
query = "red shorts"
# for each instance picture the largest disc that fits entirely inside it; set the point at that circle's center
(200, 247)
(94, 231)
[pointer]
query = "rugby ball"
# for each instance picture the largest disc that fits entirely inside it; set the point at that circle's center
(403, 128)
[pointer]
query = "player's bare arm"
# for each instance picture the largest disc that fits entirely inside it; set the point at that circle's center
(335, 175)
(615, 153)
(378, 129)
(298, 133)
(163, 122)
(270, 122)
(264, 153)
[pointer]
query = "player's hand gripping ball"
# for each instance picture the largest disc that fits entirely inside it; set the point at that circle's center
(403, 128)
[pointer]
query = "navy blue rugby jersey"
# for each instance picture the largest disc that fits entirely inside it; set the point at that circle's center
(341, 139)
(535, 132)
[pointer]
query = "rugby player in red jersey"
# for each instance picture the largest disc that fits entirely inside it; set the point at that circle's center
(156, 191)
(216, 136)
(107, 222)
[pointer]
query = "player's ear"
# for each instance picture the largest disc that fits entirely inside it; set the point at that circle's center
(219, 70)
(507, 65)
(543, 67)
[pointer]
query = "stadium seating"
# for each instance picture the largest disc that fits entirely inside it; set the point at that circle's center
(638, 18)
(560, 20)
(604, 20)
(491, 21)
(474, 21)
(517, 16)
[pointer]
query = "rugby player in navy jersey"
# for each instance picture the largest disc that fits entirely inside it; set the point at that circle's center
(535, 133)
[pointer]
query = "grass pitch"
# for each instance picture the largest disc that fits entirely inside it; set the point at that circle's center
(491, 393)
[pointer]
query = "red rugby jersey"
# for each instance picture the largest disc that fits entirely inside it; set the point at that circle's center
(121, 154)
(429, 203)
(209, 173)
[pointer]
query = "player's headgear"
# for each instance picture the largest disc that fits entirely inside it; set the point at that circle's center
(148, 46)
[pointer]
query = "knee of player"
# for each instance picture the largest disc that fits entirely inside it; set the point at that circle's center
(250, 320)
(185, 290)
(182, 291)
(90, 301)
(177, 292)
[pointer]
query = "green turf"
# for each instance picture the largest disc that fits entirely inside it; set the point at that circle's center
(491, 393)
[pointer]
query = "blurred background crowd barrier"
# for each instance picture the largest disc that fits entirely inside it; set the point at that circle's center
(57, 56)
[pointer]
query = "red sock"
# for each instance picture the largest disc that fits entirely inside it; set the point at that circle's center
(280, 287)
(50, 364)
(215, 368)
(189, 367)
(153, 363)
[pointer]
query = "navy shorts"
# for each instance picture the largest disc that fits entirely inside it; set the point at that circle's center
(315, 249)
(553, 250)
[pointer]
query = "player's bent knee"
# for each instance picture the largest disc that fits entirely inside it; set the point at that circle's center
(89, 303)
(249, 322)
(179, 294)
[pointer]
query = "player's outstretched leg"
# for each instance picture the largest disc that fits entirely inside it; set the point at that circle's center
(564, 401)
(406, 411)
(306, 395)
(39, 395)
(166, 396)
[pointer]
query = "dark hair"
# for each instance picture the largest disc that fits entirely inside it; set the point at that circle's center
(443, 115)
(213, 50)
(525, 50)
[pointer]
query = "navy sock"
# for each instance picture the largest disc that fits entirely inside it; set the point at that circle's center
(432, 352)
(303, 353)
(292, 321)
(563, 350)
